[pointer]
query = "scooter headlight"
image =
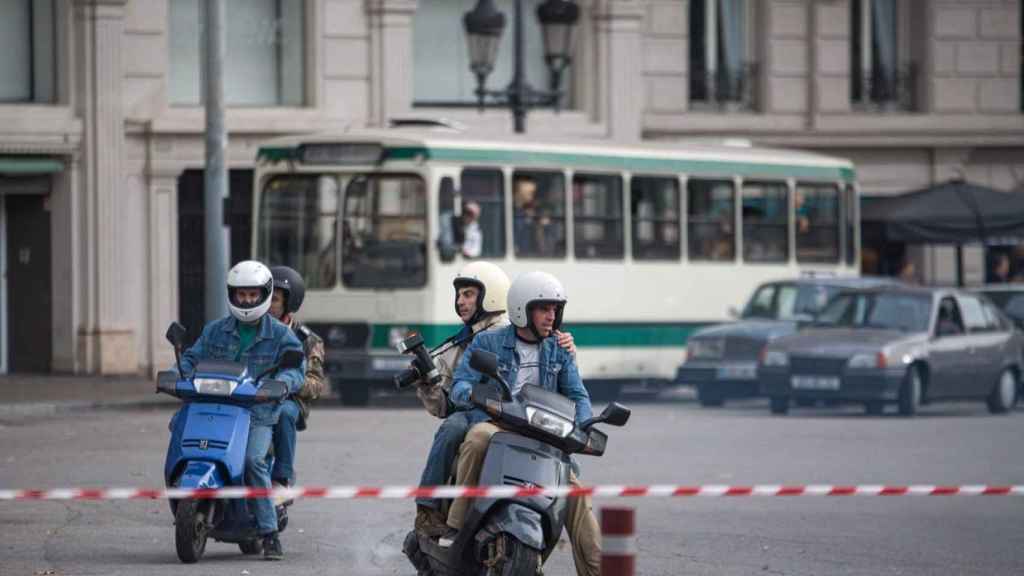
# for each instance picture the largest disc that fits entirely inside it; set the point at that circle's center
(549, 422)
(214, 386)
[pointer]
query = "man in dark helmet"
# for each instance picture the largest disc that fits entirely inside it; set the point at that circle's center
(289, 292)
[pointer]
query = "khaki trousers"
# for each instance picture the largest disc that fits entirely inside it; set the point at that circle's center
(584, 532)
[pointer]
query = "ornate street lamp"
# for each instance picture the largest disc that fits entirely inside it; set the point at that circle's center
(484, 26)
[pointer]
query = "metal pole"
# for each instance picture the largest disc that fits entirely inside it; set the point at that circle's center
(216, 177)
(518, 96)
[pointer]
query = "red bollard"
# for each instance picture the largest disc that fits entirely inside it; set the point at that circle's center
(618, 542)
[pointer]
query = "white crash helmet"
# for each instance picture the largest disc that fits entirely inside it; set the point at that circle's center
(534, 288)
(250, 274)
(493, 284)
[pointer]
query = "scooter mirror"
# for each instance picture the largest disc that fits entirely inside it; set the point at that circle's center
(616, 414)
(484, 362)
(176, 334)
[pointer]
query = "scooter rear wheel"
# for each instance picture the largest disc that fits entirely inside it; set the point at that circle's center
(190, 531)
(510, 557)
(251, 547)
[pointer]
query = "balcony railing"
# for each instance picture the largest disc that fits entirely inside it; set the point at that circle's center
(732, 90)
(886, 91)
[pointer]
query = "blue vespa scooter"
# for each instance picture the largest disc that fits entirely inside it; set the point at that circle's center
(207, 448)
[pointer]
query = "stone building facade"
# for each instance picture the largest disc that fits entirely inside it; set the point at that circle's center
(101, 129)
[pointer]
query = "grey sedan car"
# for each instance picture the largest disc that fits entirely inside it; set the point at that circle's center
(900, 345)
(721, 360)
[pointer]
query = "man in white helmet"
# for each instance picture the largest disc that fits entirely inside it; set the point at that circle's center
(481, 293)
(252, 337)
(527, 354)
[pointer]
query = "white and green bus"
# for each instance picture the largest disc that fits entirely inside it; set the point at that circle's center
(650, 240)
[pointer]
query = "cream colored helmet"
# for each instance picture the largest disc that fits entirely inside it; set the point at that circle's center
(533, 288)
(493, 284)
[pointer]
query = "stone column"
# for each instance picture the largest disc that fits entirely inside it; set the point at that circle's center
(620, 66)
(391, 58)
(106, 337)
(163, 257)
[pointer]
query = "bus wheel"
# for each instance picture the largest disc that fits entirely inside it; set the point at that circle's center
(355, 393)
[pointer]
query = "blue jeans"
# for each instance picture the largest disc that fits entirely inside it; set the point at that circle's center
(284, 442)
(257, 475)
(441, 460)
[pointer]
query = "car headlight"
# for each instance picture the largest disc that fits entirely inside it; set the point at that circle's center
(214, 386)
(775, 358)
(867, 361)
(548, 422)
(697, 349)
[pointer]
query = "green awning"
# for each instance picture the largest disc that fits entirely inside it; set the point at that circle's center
(27, 165)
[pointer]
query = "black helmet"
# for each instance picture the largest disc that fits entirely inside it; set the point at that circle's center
(293, 286)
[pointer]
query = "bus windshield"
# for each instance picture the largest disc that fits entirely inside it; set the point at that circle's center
(382, 223)
(385, 232)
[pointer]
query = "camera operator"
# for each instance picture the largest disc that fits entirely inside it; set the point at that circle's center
(481, 291)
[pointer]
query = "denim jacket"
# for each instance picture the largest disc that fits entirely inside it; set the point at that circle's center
(558, 372)
(220, 341)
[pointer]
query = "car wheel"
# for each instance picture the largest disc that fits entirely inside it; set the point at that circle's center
(780, 405)
(910, 392)
(709, 397)
(1004, 394)
(874, 407)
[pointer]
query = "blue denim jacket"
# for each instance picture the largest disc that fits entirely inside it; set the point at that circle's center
(220, 341)
(557, 369)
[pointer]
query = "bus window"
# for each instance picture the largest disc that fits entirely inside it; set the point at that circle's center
(298, 221)
(817, 223)
(384, 233)
(765, 222)
(487, 189)
(654, 205)
(850, 197)
(597, 216)
(711, 220)
(539, 214)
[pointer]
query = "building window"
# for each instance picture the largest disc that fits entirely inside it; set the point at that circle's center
(27, 51)
(597, 216)
(654, 205)
(712, 220)
(265, 60)
(882, 74)
(722, 72)
(765, 222)
(817, 223)
(538, 215)
(441, 75)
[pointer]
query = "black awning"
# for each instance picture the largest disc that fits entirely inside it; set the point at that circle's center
(954, 212)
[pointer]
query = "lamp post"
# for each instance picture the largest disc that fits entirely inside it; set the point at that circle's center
(484, 26)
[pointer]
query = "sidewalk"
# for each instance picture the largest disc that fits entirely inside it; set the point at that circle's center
(51, 394)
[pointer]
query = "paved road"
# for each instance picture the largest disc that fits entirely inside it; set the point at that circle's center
(670, 441)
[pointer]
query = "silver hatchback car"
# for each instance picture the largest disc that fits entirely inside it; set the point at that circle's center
(902, 345)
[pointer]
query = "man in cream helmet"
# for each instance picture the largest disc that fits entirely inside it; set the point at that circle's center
(481, 293)
(252, 337)
(528, 354)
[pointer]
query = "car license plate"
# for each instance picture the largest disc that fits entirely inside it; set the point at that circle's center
(738, 372)
(389, 364)
(815, 382)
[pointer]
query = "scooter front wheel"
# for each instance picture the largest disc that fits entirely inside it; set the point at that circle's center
(510, 557)
(190, 530)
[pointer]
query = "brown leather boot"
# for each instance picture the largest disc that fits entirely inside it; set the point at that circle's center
(429, 522)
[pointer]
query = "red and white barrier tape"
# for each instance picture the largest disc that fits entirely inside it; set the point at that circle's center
(607, 491)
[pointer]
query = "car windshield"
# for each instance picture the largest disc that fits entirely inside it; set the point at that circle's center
(788, 301)
(885, 310)
(1010, 302)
